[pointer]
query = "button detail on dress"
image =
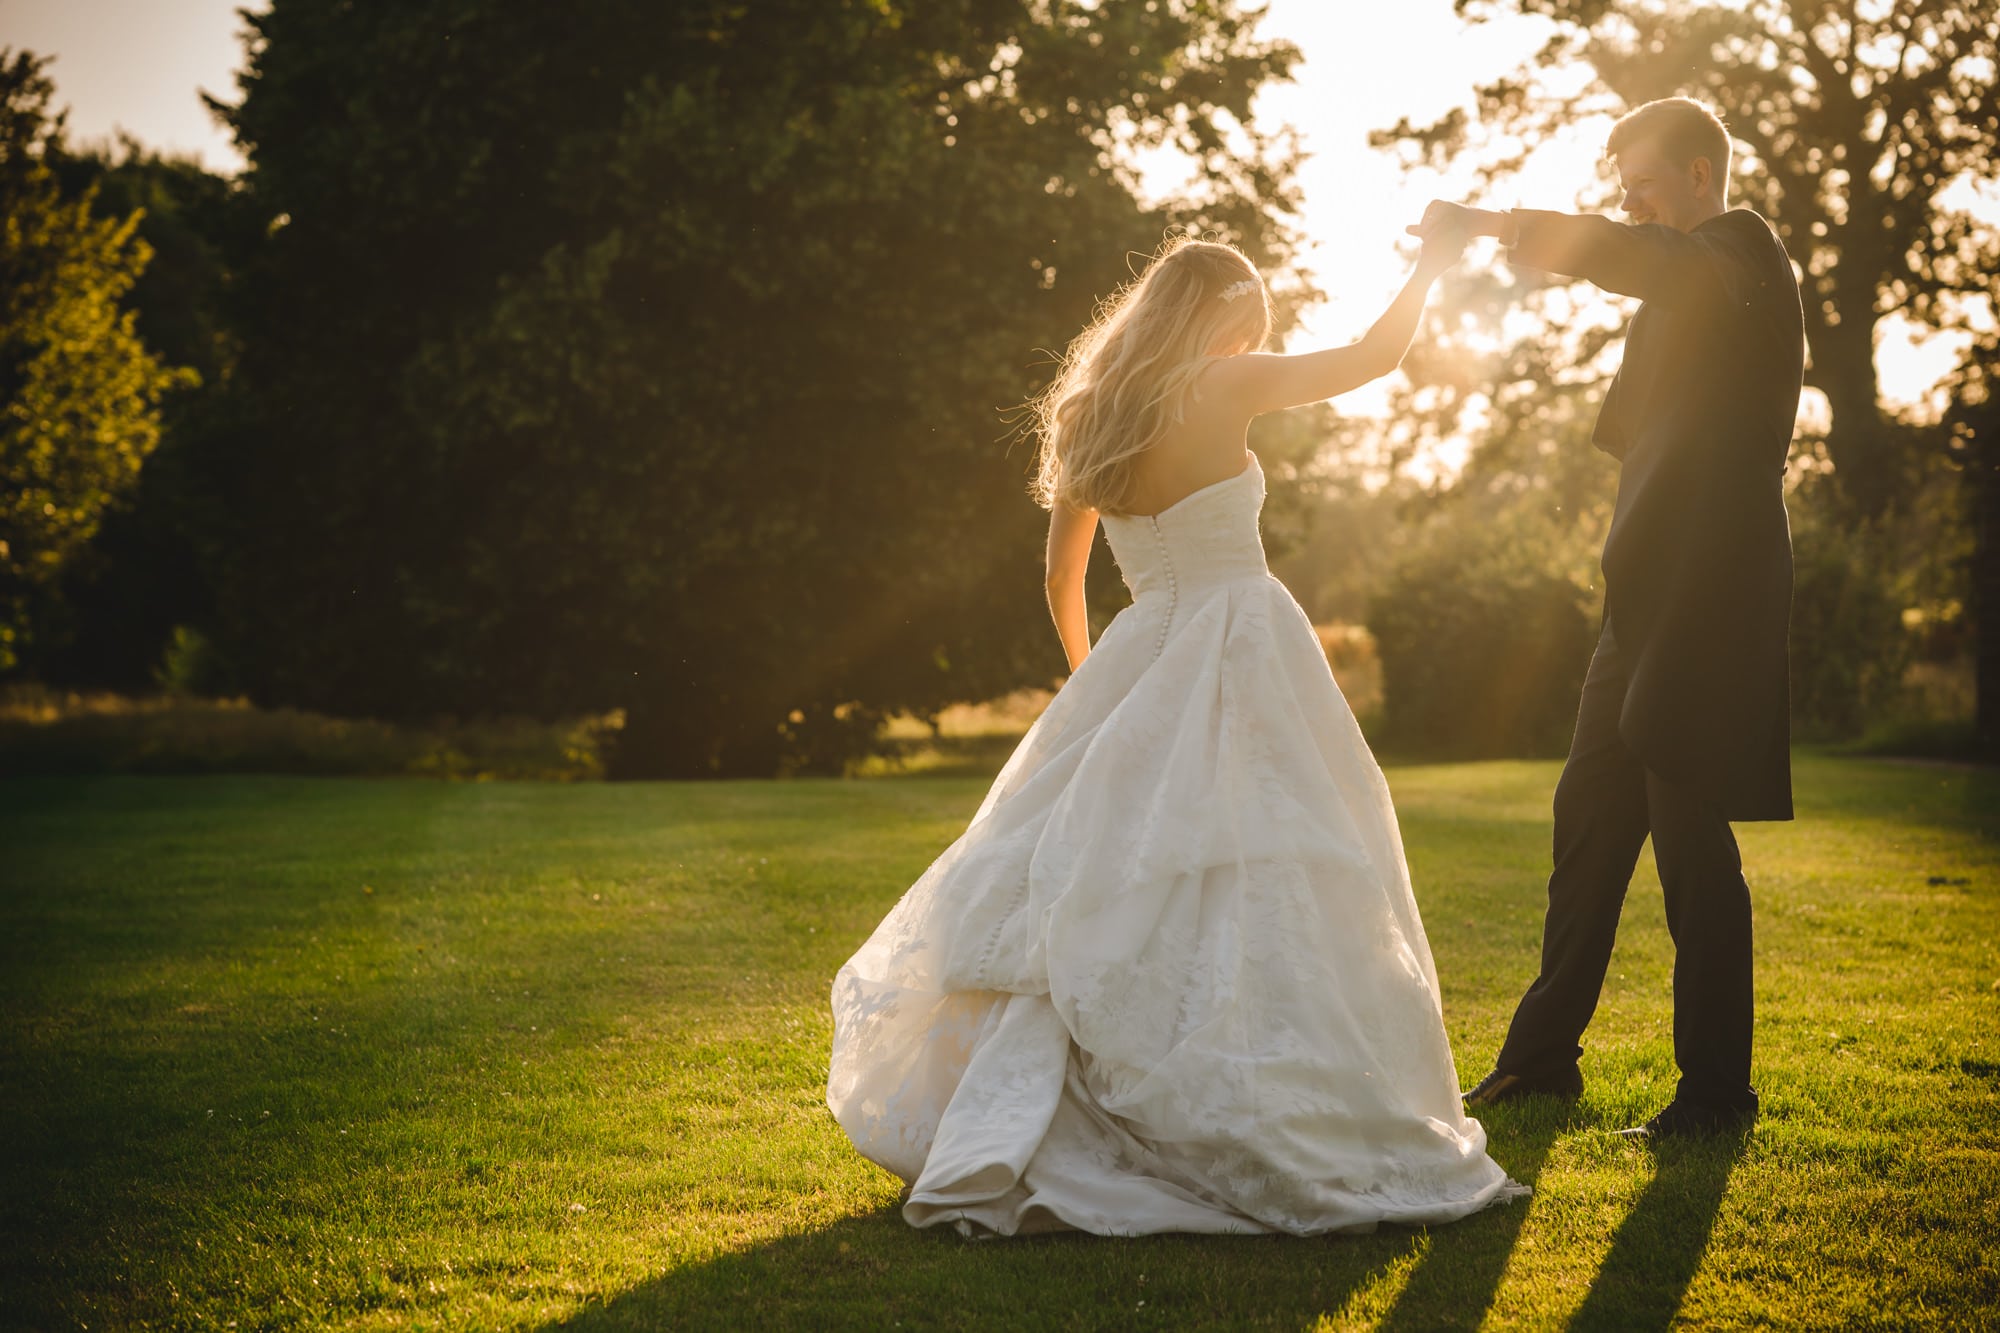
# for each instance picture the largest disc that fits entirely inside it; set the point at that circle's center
(1173, 588)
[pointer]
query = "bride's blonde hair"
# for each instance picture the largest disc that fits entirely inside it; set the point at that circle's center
(1126, 377)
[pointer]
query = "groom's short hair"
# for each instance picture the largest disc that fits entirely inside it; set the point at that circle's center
(1682, 128)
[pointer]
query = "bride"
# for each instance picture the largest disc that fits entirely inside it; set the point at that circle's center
(1172, 976)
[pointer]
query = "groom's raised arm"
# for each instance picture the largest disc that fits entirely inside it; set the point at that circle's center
(1650, 261)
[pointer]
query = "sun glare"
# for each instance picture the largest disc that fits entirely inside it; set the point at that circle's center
(1357, 199)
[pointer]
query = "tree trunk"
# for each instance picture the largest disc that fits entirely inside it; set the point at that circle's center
(687, 737)
(1983, 467)
(1860, 440)
(657, 742)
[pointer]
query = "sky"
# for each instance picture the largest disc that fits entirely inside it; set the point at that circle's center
(1366, 66)
(140, 66)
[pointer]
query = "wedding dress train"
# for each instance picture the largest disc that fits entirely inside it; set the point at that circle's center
(1172, 976)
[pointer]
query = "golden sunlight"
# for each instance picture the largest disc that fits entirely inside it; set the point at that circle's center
(1365, 69)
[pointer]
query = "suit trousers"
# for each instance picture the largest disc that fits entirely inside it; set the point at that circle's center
(1606, 805)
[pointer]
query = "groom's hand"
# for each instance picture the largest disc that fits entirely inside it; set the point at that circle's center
(1442, 247)
(1452, 223)
(1445, 230)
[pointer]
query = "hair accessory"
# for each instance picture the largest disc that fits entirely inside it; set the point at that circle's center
(1236, 289)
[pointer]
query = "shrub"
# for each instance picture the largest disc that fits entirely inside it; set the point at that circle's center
(46, 733)
(1848, 642)
(1356, 665)
(1483, 650)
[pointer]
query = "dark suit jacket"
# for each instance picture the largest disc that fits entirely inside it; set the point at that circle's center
(1698, 564)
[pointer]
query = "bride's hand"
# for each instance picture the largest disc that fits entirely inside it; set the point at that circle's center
(1445, 230)
(1441, 249)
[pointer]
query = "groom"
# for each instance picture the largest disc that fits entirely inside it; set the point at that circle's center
(1683, 725)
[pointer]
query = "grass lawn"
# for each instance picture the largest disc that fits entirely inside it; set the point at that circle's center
(399, 1054)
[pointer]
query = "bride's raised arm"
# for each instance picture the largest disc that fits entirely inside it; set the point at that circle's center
(1262, 382)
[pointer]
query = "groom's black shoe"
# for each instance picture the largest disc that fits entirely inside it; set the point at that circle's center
(1692, 1120)
(1497, 1087)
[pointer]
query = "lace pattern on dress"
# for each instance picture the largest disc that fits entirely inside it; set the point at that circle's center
(1172, 976)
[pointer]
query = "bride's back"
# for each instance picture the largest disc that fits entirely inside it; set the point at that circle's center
(1125, 428)
(1210, 443)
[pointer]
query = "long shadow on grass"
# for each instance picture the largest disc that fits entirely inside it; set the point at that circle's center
(1454, 1283)
(875, 1272)
(1659, 1245)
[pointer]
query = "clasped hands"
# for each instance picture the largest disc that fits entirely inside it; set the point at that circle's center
(1447, 227)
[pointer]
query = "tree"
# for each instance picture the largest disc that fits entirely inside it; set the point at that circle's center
(1864, 125)
(1974, 423)
(79, 390)
(650, 356)
(1867, 131)
(123, 595)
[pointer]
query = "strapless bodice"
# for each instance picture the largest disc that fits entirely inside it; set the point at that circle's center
(1208, 536)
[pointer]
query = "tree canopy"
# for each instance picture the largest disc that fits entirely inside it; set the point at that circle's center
(654, 356)
(1866, 132)
(79, 390)
(1870, 127)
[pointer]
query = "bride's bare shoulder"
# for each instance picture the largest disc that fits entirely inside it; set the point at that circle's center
(1228, 381)
(1240, 381)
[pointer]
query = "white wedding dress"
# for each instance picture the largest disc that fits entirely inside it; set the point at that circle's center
(1171, 977)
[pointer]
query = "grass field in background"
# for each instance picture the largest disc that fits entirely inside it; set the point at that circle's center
(312, 1052)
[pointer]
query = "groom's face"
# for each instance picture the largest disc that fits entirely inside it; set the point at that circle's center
(1658, 189)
